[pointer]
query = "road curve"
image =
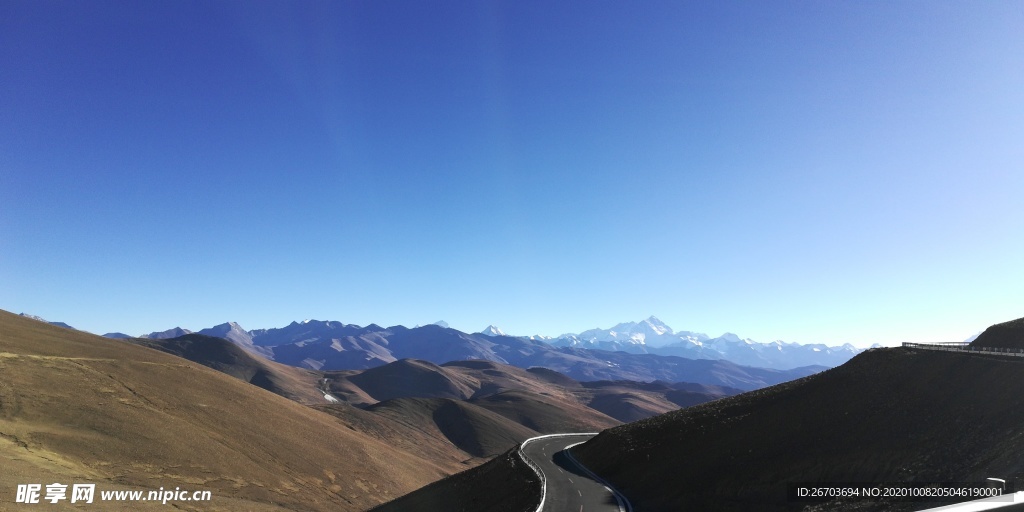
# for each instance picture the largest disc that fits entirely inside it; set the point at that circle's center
(569, 486)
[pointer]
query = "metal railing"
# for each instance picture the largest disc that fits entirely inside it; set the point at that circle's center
(966, 347)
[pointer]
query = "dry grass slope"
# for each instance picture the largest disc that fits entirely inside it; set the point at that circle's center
(75, 407)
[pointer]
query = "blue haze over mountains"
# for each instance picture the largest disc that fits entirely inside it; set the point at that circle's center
(641, 351)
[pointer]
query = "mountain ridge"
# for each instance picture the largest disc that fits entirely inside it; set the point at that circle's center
(322, 344)
(647, 336)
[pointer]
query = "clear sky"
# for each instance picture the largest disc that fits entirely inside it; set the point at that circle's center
(811, 171)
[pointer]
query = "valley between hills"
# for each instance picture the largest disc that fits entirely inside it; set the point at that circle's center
(205, 412)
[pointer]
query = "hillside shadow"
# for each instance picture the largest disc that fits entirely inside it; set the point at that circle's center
(563, 461)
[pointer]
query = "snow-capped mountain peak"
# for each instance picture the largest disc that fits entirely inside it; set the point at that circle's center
(730, 337)
(654, 325)
(492, 331)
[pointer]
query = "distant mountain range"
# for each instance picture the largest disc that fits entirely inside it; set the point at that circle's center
(331, 345)
(593, 354)
(355, 347)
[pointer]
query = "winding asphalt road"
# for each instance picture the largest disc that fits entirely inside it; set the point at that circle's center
(570, 486)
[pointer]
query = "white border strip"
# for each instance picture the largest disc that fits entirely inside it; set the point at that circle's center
(1005, 500)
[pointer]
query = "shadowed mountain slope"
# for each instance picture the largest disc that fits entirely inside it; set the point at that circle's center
(76, 407)
(222, 355)
(888, 415)
(473, 429)
(541, 400)
(504, 484)
(1005, 335)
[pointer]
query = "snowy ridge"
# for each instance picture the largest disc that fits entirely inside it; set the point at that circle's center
(652, 336)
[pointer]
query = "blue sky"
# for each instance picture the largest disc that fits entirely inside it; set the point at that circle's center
(810, 171)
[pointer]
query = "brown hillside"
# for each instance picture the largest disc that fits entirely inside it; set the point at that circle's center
(629, 405)
(629, 401)
(544, 414)
(553, 377)
(490, 378)
(75, 407)
(410, 378)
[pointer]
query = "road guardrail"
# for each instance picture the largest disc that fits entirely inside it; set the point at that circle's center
(967, 348)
